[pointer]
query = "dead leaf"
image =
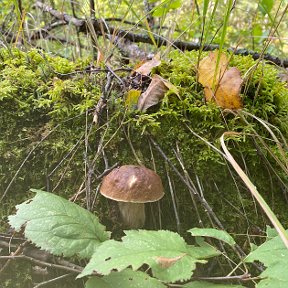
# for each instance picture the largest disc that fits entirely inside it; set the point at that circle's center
(131, 98)
(228, 92)
(146, 68)
(223, 87)
(207, 69)
(100, 57)
(155, 92)
(165, 262)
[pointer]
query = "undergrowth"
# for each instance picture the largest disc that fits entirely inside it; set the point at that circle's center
(50, 141)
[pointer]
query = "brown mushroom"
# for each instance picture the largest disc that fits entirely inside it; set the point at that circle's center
(132, 186)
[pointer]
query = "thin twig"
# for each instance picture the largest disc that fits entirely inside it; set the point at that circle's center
(25, 160)
(75, 268)
(100, 27)
(53, 280)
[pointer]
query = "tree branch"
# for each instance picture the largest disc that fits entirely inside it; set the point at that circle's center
(100, 26)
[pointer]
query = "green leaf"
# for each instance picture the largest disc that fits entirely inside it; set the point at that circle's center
(214, 233)
(265, 6)
(166, 252)
(131, 98)
(165, 6)
(59, 226)
(257, 33)
(204, 284)
(125, 279)
(274, 255)
(271, 232)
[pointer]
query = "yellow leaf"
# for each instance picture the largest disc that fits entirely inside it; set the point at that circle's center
(228, 92)
(222, 86)
(207, 69)
(132, 97)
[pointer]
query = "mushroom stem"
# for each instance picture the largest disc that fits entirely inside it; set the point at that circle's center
(133, 214)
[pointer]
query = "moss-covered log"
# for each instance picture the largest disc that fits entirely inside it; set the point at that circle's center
(48, 140)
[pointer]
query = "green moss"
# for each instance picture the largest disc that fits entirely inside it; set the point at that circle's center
(46, 102)
(34, 100)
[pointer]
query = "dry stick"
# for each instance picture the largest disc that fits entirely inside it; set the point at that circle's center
(72, 3)
(87, 165)
(105, 172)
(98, 109)
(199, 194)
(221, 244)
(179, 158)
(145, 38)
(44, 32)
(132, 147)
(73, 268)
(19, 2)
(173, 200)
(205, 204)
(18, 251)
(103, 98)
(92, 9)
(64, 172)
(243, 278)
(136, 24)
(62, 160)
(53, 280)
(158, 202)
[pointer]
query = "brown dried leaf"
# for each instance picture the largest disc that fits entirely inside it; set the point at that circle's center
(228, 92)
(146, 68)
(207, 69)
(166, 262)
(225, 91)
(154, 93)
(100, 57)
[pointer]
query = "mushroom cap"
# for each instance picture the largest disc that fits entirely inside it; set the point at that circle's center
(131, 183)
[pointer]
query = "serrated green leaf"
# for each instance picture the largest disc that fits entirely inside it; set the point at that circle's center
(59, 226)
(169, 256)
(205, 284)
(213, 233)
(274, 255)
(125, 279)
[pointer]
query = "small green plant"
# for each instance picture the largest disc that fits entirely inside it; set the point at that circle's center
(64, 228)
